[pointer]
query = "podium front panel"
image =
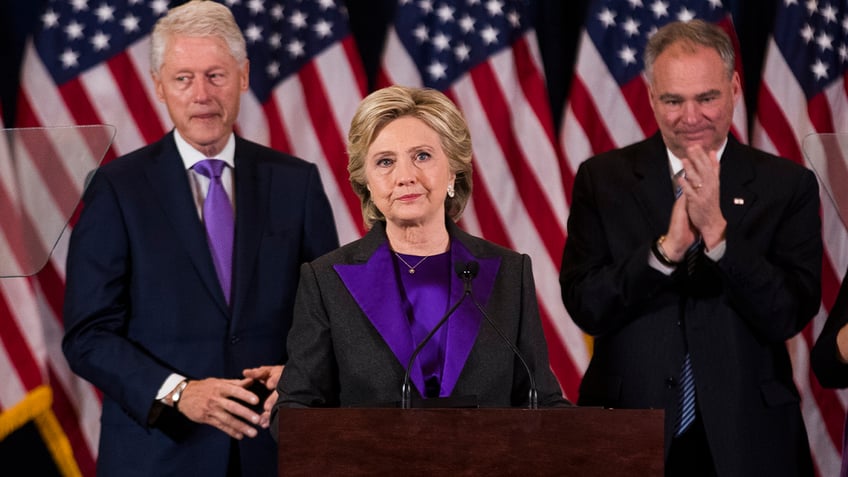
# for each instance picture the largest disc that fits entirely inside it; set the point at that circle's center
(564, 441)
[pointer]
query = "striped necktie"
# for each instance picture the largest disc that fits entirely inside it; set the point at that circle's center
(686, 399)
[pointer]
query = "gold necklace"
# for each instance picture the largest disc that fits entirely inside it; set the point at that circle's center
(411, 267)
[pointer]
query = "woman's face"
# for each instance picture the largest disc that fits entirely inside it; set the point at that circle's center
(408, 173)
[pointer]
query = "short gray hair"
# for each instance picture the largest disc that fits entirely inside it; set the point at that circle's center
(197, 18)
(692, 33)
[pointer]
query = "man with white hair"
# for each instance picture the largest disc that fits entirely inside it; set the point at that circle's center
(183, 266)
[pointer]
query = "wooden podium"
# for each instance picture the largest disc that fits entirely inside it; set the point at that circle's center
(574, 441)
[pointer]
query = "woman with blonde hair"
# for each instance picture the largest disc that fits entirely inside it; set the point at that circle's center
(363, 310)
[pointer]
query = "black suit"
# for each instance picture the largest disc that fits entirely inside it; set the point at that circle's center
(143, 299)
(736, 314)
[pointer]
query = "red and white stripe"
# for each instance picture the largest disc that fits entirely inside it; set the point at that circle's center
(600, 116)
(784, 124)
(520, 182)
(307, 116)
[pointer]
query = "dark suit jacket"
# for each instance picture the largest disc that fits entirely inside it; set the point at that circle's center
(830, 371)
(143, 300)
(338, 356)
(736, 313)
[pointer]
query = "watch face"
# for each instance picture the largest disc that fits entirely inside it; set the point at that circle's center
(175, 397)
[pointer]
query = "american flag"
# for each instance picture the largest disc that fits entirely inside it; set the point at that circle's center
(88, 63)
(804, 91)
(483, 54)
(23, 343)
(608, 106)
(31, 220)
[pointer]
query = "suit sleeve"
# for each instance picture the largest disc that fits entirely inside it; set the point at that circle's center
(603, 291)
(319, 232)
(829, 369)
(97, 310)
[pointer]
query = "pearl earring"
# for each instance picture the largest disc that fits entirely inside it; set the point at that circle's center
(451, 192)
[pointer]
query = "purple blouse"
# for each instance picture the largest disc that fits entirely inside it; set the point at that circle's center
(424, 294)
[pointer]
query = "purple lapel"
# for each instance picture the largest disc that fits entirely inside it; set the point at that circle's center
(464, 325)
(372, 284)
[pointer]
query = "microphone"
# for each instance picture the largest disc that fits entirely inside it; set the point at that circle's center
(471, 268)
(467, 273)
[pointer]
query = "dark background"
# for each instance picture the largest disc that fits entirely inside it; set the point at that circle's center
(558, 28)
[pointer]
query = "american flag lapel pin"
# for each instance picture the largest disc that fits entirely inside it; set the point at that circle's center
(738, 201)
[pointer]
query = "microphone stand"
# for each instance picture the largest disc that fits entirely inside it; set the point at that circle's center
(467, 272)
(470, 271)
(533, 397)
(405, 390)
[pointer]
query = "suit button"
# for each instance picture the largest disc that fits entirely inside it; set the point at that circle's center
(670, 382)
(234, 339)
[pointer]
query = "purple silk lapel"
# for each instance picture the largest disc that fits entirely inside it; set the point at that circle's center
(374, 288)
(464, 325)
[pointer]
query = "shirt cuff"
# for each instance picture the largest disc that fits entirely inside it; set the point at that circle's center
(170, 383)
(659, 266)
(716, 253)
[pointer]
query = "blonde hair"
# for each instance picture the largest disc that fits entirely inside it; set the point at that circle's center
(434, 109)
(197, 18)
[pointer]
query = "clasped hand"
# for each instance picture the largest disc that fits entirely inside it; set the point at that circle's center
(216, 401)
(697, 213)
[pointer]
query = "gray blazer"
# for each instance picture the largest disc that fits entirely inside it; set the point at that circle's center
(338, 357)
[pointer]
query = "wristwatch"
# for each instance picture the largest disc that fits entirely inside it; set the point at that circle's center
(178, 393)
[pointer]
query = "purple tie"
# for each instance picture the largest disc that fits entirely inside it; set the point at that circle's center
(218, 218)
